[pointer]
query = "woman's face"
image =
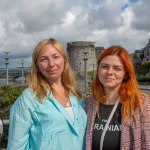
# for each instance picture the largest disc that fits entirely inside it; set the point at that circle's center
(111, 72)
(51, 63)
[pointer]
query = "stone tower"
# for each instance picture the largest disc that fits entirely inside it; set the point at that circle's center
(75, 52)
(98, 50)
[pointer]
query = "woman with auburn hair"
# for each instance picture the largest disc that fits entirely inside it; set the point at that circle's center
(49, 113)
(118, 112)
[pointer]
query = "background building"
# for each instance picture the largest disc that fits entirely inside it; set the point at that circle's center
(146, 51)
(98, 50)
(76, 56)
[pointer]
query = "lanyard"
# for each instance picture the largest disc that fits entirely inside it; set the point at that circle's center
(107, 124)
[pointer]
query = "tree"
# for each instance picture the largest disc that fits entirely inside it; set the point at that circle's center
(146, 65)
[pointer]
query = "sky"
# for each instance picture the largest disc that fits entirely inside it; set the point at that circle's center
(24, 23)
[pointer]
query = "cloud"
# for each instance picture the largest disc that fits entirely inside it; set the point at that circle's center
(141, 13)
(23, 23)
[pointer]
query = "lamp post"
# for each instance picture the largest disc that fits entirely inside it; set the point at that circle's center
(85, 67)
(7, 63)
(93, 70)
(22, 69)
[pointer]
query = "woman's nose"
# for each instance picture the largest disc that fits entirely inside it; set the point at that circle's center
(110, 70)
(51, 63)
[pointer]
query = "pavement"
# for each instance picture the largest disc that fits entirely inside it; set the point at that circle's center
(145, 89)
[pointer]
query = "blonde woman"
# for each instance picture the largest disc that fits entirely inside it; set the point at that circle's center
(48, 115)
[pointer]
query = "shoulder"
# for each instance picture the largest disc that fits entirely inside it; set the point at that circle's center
(80, 101)
(25, 100)
(23, 108)
(90, 103)
(146, 99)
(145, 113)
(146, 103)
(90, 100)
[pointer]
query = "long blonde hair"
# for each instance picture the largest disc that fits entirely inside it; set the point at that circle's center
(129, 93)
(38, 83)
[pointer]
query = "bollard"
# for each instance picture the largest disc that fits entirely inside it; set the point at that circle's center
(4, 124)
(1, 129)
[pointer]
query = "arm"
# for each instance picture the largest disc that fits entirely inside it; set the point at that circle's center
(19, 125)
(146, 124)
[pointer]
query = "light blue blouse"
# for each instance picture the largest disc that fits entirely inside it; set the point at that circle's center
(46, 126)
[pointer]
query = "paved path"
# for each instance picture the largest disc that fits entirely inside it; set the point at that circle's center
(145, 89)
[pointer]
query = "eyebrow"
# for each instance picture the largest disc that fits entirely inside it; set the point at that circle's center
(55, 54)
(109, 65)
(51, 55)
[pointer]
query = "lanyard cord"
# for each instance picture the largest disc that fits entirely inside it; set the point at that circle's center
(106, 125)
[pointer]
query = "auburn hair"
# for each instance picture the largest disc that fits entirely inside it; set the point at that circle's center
(129, 93)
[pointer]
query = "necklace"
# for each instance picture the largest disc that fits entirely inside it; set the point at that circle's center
(67, 102)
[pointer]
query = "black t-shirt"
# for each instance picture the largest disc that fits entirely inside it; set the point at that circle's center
(113, 133)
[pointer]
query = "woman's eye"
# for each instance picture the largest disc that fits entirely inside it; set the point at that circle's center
(104, 67)
(117, 69)
(56, 57)
(42, 59)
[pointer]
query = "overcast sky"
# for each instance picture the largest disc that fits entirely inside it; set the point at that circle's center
(23, 23)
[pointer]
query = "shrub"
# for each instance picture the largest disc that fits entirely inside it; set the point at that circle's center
(10, 94)
(144, 79)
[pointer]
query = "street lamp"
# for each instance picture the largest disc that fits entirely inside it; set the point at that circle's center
(85, 67)
(7, 63)
(22, 69)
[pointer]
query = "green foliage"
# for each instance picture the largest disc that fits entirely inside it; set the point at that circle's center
(146, 64)
(144, 79)
(91, 73)
(142, 68)
(10, 94)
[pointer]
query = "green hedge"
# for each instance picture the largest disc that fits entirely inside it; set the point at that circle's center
(9, 94)
(144, 79)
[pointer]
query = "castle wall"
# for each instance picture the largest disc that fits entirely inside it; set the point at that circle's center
(76, 56)
(98, 50)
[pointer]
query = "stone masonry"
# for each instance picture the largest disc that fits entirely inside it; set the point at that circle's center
(76, 56)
